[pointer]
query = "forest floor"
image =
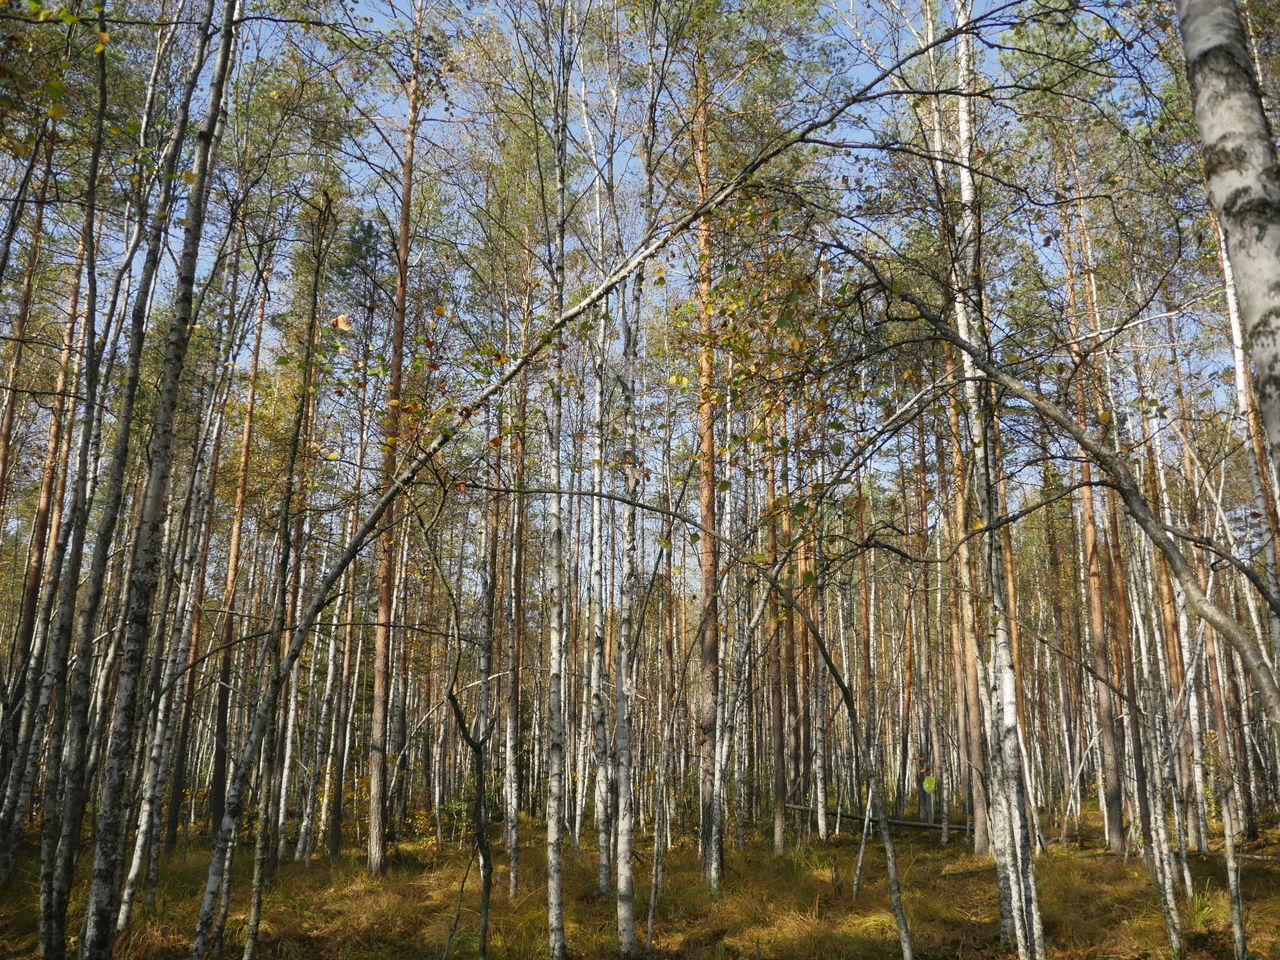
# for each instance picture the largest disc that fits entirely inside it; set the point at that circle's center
(1095, 906)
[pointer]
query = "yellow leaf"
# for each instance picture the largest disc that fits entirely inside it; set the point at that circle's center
(189, 176)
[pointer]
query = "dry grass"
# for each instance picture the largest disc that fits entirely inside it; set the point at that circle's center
(1095, 906)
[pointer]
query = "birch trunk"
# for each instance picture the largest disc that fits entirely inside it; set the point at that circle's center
(1243, 177)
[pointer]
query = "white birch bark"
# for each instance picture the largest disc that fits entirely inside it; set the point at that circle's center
(1011, 828)
(101, 912)
(556, 741)
(1243, 177)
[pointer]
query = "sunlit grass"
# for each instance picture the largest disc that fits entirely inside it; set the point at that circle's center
(796, 906)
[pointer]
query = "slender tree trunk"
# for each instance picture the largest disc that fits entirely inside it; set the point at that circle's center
(515, 631)
(557, 785)
(710, 841)
(386, 541)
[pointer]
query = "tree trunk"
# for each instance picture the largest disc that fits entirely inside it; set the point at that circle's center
(1243, 176)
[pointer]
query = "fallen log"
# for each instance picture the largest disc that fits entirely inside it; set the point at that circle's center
(912, 824)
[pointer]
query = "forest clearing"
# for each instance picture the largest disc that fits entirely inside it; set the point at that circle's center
(691, 478)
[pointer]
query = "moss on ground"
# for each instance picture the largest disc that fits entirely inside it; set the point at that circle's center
(796, 907)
